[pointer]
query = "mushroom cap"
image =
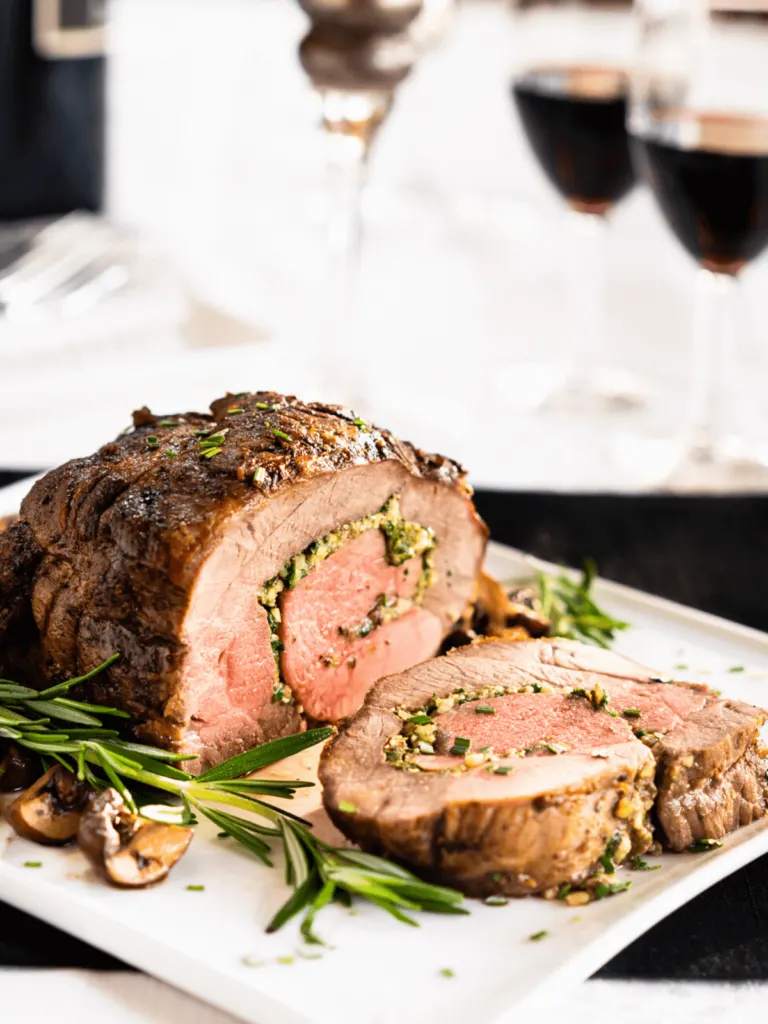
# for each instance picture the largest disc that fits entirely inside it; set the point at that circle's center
(48, 811)
(128, 850)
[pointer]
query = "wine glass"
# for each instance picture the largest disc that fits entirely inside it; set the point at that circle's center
(356, 54)
(570, 87)
(698, 119)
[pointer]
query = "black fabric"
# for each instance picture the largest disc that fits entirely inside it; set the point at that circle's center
(52, 118)
(704, 552)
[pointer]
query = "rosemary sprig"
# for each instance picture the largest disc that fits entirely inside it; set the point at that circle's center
(571, 609)
(72, 733)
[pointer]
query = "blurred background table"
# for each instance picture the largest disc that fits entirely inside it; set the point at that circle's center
(215, 159)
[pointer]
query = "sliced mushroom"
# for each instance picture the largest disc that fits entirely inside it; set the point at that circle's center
(18, 769)
(49, 811)
(127, 850)
(524, 609)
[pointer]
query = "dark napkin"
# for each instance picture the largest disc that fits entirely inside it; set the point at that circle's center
(705, 552)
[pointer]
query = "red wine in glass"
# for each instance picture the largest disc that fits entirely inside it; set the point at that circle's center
(575, 118)
(709, 174)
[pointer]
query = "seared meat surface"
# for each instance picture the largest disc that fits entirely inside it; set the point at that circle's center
(159, 547)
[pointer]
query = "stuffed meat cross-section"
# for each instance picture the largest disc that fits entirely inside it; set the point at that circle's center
(268, 558)
(520, 766)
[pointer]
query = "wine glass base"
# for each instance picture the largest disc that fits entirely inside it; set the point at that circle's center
(729, 465)
(556, 389)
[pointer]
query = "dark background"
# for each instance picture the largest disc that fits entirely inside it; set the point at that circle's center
(709, 553)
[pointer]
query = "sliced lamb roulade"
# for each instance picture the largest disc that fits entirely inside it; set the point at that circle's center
(270, 558)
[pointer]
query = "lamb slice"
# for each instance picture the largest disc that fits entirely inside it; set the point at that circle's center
(544, 820)
(711, 774)
(159, 544)
(326, 661)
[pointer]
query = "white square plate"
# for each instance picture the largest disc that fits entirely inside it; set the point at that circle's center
(374, 969)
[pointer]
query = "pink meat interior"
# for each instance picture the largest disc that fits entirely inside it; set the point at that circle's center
(230, 674)
(329, 669)
(523, 720)
(661, 706)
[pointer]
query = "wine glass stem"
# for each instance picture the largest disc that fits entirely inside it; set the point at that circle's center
(347, 167)
(584, 298)
(714, 336)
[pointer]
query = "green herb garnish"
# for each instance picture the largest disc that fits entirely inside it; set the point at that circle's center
(446, 972)
(461, 745)
(281, 434)
(33, 863)
(602, 889)
(538, 936)
(638, 864)
(736, 668)
(606, 858)
(484, 709)
(346, 807)
(496, 901)
(420, 720)
(704, 845)
(571, 610)
(72, 733)
(195, 888)
(631, 712)
(502, 769)
(152, 441)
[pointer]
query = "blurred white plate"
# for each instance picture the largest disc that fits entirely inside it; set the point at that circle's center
(375, 970)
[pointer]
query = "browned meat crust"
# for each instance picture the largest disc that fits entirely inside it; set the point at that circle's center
(110, 545)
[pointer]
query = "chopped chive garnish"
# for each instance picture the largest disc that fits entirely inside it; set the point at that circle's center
(446, 972)
(704, 844)
(346, 807)
(556, 748)
(736, 668)
(420, 720)
(632, 712)
(602, 890)
(502, 769)
(281, 434)
(33, 863)
(606, 858)
(286, 959)
(195, 888)
(234, 412)
(208, 453)
(484, 709)
(359, 423)
(171, 453)
(168, 423)
(538, 936)
(260, 475)
(263, 405)
(563, 891)
(638, 864)
(681, 668)
(152, 441)
(496, 901)
(461, 745)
